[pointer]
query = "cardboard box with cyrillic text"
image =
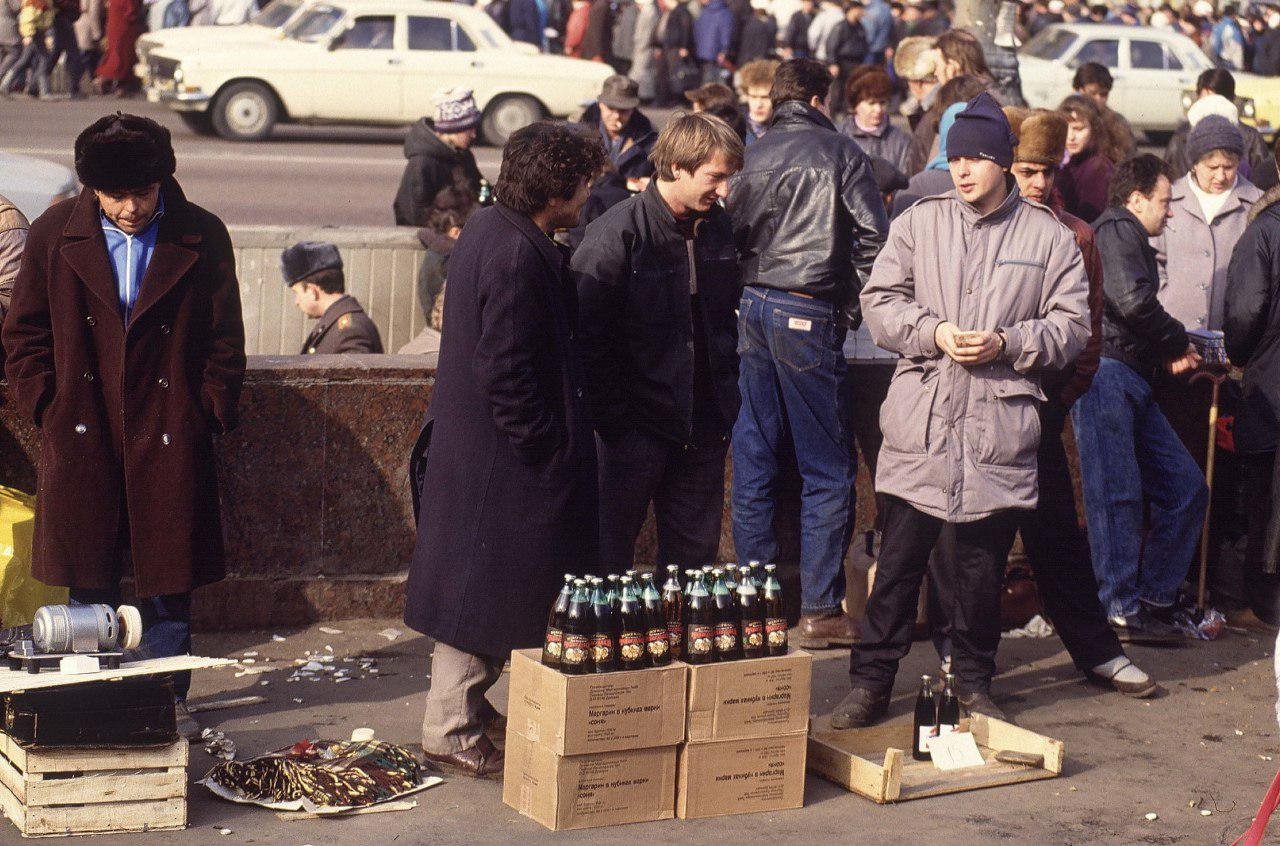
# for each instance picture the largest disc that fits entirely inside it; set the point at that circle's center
(753, 698)
(609, 712)
(586, 791)
(741, 776)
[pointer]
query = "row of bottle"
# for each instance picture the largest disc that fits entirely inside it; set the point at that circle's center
(626, 623)
(937, 713)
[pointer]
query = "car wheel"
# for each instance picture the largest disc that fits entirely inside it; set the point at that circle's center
(245, 111)
(506, 115)
(198, 122)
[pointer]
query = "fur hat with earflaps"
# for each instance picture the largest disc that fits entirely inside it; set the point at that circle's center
(123, 152)
(1042, 135)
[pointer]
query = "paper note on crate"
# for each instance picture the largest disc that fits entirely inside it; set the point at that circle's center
(955, 751)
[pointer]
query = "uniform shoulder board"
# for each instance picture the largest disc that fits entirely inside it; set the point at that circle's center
(344, 322)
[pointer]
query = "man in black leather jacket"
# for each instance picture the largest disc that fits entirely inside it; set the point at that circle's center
(658, 280)
(1129, 454)
(808, 221)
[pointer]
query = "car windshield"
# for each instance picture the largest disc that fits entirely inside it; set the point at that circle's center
(1050, 44)
(313, 24)
(276, 14)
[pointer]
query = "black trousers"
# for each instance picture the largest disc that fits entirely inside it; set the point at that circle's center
(975, 573)
(685, 483)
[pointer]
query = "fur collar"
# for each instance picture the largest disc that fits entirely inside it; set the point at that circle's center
(1264, 202)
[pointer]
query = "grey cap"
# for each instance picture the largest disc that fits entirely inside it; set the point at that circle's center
(308, 257)
(620, 92)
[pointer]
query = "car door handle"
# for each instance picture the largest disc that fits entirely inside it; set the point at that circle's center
(476, 63)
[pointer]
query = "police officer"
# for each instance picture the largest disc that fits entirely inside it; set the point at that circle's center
(313, 270)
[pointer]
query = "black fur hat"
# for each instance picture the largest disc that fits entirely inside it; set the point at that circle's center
(121, 152)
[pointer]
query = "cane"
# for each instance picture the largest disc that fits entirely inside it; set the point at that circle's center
(1215, 367)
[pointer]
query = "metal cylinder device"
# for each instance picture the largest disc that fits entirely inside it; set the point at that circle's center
(85, 628)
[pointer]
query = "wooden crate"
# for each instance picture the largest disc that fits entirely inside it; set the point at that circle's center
(849, 758)
(52, 792)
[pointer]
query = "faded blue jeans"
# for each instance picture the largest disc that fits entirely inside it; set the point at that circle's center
(791, 370)
(1130, 457)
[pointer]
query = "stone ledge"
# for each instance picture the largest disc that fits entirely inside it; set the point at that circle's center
(248, 602)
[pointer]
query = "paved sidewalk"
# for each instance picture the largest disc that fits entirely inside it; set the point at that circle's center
(1211, 743)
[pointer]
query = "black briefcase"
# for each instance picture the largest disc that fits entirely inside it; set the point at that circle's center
(109, 713)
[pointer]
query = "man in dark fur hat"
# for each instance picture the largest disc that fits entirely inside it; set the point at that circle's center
(126, 349)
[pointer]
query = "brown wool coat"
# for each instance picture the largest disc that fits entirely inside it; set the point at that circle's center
(127, 414)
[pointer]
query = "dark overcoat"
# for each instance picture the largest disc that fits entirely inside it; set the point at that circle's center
(343, 328)
(508, 491)
(127, 414)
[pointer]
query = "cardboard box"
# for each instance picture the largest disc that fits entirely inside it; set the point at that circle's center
(741, 776)
(586, 791)
(760, 697)
(609, 712)
(851, 758)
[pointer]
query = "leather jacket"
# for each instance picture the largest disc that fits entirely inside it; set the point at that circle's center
(807, 216)
(1136, 329)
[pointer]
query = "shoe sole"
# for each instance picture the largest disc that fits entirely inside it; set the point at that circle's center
(825, 643)
(1132, 692)
(450, 769)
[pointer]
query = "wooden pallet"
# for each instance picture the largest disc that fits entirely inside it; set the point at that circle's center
(50, 793)
(849, 758)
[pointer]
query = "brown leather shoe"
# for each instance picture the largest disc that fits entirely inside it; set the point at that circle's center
(1244, 618)
(826, 631)
(483, 760)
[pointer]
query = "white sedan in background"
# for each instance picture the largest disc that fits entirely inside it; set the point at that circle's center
(371, 62)
(34, 184)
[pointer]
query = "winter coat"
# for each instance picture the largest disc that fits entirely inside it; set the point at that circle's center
(431, 167)
(433, 271)
(926, 183)
(127, 414)
(125, 23)
(713, 31)
(1266, 54)
(1136, 330)
(9, 10)
(796, 36)
(33, 21)
(825, 19)
(1084, 182)
(1258, 164)
(677, 33)
(13, 240)
(635, 316)
(89, 25)
(575, 29)
(597, 39)
(642, 67)
(847, 44)
(624, 30)
(344, 328)
(877, 20)
(1251, 324)
(892, 143)
(759, 39)
(526, 22)
(508, 482)
(1193, 255)
(608, 191)
(1069, 385)
(807, 215)
(960, 442)
(638, 135)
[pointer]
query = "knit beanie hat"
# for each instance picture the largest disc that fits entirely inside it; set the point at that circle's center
(456, 110)
(1041, 134)
(948, 119)
(1214, 104)
(1213, 133)
(124, 152)
(982, 131)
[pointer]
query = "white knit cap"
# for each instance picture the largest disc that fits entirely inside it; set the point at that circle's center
(1214, 104)
(1202, 9)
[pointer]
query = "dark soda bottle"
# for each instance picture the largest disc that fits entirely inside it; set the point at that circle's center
(700, 624)
(604, 636)
(553, 643)
(612, 592)
(926, 720)
(575, 655)
(632, 651)
(948, 706)
(689, 577)
(657, 641)
(728, 623)
(673, 611)
(752, 610)
(731, 578)
(775, 618)
(756, 575)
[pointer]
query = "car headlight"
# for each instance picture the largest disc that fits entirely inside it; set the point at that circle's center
(178, 75)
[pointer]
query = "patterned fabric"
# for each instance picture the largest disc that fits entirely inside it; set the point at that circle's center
(326, 772)
(456, 110)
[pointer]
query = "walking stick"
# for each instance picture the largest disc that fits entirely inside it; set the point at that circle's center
(1208, 480)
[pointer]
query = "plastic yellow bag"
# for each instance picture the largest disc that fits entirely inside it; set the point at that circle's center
(20, 593)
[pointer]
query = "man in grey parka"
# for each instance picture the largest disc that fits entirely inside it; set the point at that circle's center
(978, 290)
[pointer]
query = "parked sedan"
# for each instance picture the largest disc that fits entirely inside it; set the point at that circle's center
(35, 184)
(1152, 69)
(368, 62)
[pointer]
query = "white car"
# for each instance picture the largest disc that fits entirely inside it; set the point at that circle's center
(367, 62)
(1153, 68)
(265, 26)
(35, 184)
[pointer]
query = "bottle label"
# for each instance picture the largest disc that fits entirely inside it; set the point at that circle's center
(926, 733)
(726, 637)
(776, 630)
(554, 643)
(631, 646)
(700, 638)
(602, 648)
(576, 649)
(658, 643)
(946, 728)
(675, 634)
(753, 634)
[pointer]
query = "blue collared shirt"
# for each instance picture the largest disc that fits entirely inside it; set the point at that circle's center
(130, 255)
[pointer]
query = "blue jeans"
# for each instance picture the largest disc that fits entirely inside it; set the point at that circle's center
(791, 372)
(1130, 457)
